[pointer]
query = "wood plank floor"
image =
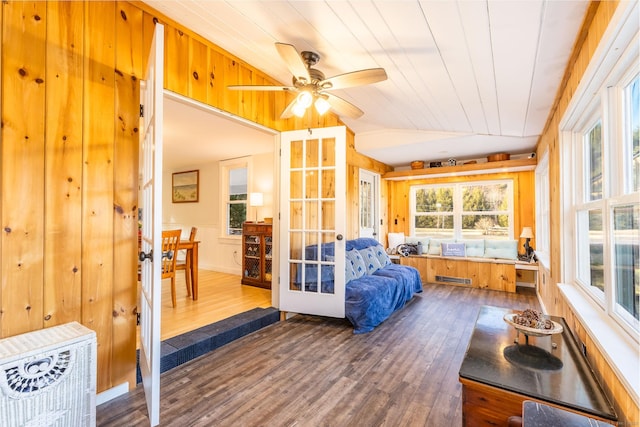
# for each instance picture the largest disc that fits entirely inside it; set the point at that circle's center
(220, 295)
(313, 371)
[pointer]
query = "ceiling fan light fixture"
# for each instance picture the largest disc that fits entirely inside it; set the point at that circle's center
(305, 99)
(298, 109)
(322, 105)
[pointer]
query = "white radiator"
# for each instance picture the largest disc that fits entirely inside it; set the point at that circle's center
(48, 378)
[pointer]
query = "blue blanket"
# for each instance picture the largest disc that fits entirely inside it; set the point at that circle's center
(372, 298)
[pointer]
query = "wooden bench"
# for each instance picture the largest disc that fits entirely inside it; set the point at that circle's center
(483, 273)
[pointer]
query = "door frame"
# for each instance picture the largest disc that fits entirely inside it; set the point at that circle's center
(376, 202)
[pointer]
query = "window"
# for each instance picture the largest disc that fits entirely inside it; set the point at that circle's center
(471, 210)
(605, 204)
(631, 132)
(234, 182)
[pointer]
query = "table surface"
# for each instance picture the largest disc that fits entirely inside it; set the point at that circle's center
(549, 368)
(536, 414)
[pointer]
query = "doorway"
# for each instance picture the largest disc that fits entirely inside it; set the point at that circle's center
(200, 137)
(369, 202)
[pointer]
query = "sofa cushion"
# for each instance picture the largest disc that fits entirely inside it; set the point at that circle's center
(370, 259)
(357, 262)
(506, 249)
(435, 245)
(473, 247)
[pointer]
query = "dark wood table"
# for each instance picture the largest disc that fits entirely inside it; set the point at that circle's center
(535, 414)
(498, 374)
(192, 264)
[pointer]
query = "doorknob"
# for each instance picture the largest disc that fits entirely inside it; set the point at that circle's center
(144, 256)
(339, 237)
(168, 255)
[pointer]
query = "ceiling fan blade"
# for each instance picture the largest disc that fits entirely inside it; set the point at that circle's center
(354, 78)
(288, 112)
(261, 87)
(342, 107)
(294, 61)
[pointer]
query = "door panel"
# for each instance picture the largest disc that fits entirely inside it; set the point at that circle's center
(151, 279)
(313, 193)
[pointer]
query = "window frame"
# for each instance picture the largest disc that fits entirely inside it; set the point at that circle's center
(225, 167)
(457, 212)
(543, 211)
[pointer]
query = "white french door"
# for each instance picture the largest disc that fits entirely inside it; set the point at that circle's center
(369, 184)
(151, 242)
(312, 221)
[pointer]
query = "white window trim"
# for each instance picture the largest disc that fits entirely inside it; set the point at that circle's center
(457, 204)
(543, 212)
(618, 347)
(224, 167)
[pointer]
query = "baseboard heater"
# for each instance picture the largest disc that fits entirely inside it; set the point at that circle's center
(456, 280)
(48, 377)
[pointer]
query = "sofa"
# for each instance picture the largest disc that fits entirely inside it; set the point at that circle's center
(376, 291)
(374, 286)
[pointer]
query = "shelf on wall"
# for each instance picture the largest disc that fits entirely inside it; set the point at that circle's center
(517, 165)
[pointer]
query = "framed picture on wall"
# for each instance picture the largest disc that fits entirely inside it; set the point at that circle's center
(185, 187)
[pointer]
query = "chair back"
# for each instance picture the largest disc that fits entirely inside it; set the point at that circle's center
(170, 240)
(192, 236)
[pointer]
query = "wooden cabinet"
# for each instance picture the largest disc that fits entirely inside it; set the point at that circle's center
(257, 251)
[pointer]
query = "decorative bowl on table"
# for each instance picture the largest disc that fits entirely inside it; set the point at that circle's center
(533, 323)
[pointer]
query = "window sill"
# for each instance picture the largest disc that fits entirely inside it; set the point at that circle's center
(616, 346)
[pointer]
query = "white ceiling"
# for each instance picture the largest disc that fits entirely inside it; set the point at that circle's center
(466, 78)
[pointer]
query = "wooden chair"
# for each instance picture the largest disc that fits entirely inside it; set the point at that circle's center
(170, 240)
(184, 263)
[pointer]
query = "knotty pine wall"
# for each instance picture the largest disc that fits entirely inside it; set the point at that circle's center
(69, 83)
(596, 22)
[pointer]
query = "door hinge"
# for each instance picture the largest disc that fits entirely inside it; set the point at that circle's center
(141, 110)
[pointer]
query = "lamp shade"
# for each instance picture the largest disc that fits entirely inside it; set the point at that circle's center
(255, 199)
(527, 233)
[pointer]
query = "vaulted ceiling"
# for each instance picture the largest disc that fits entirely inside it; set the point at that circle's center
(465, 78)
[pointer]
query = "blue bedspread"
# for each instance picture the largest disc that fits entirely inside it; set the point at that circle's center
(371, 299)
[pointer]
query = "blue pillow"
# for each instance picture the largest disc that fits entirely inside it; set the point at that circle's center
(357, 262)
(505, 249)
(474, 247)
(370, 259)
(382, 255)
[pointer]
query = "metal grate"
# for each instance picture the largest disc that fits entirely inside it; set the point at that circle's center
(449, 279)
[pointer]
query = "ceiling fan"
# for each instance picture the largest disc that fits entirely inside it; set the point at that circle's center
(312, 87)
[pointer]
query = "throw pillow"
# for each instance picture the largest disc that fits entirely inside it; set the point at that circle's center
(382, 255)
(506, 249)
(370, 259)
(357, 262)
(395, 239)
(349, 273)
(474, 247)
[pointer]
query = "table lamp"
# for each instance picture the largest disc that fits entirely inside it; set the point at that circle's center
(527, 234)
(256, 200)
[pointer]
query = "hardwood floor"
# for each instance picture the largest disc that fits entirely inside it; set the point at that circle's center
(313, 371)
(220, 295)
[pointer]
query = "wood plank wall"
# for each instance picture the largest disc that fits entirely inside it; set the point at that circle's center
(594, 26)
(69, 87)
